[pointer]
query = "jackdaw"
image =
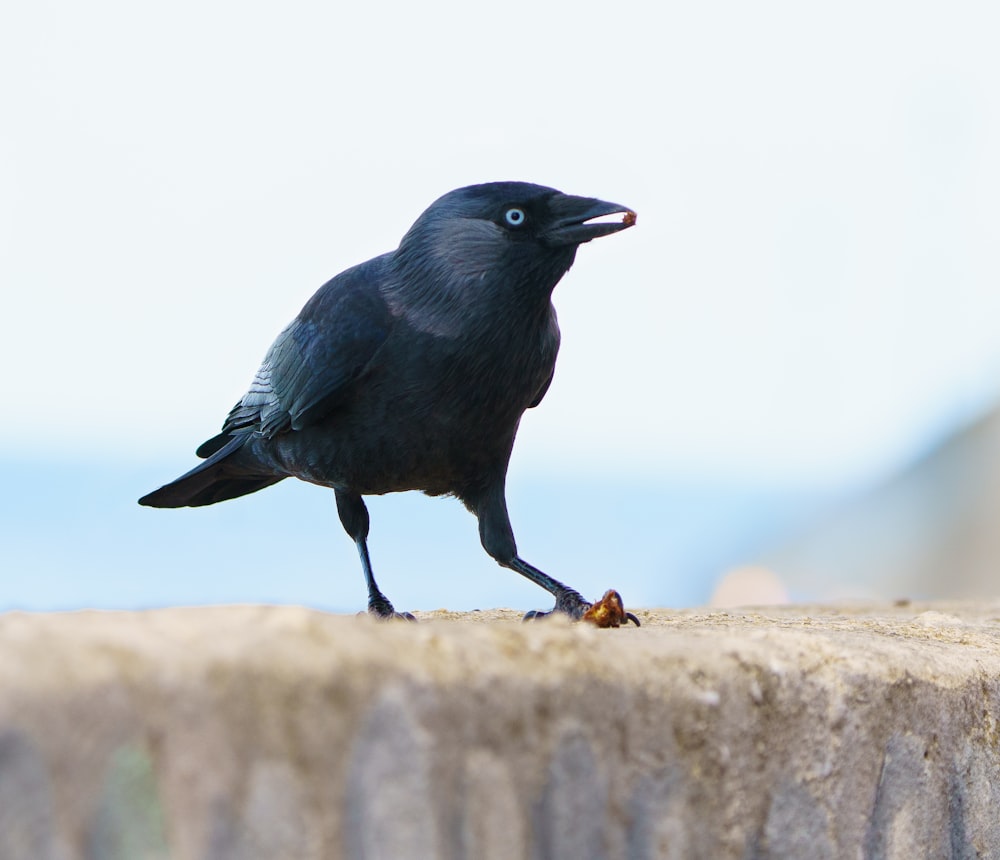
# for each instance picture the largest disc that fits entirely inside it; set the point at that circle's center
(411, 371)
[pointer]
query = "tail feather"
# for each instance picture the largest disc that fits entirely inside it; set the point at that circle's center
(216, 443)
(217, 479)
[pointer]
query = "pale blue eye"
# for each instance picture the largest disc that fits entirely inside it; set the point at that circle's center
(515, 217)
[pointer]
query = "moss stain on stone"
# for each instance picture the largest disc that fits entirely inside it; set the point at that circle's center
(129, 823)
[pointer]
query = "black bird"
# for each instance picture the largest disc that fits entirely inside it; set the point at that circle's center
(411, 371)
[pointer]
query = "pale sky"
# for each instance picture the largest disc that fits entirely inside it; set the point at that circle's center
(812, 290)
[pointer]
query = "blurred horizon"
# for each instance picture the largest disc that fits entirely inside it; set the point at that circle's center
(661, 541)
(658, 542)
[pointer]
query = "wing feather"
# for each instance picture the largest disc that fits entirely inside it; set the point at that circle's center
(310, 367)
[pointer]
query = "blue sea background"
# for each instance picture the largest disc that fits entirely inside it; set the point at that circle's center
(72, 535)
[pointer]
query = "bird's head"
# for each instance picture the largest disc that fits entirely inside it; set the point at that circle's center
(508, 233)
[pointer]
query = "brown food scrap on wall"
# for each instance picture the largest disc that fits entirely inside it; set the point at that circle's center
(609, 611)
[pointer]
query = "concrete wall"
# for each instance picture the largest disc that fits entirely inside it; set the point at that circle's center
(246, 732)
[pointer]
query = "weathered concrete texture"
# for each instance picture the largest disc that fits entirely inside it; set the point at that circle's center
(241, 733)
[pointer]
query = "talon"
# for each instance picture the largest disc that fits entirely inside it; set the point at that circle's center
(383, 610)
(395, 616)
(609, 611)
(568, 602)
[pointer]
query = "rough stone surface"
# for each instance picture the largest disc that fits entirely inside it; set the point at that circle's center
(263, 732)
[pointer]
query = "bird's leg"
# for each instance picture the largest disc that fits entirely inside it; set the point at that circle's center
(378, 603)
(568, 600)
(354, 516)
(498, 540)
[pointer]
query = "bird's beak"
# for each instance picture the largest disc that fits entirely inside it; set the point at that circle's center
(579, 219)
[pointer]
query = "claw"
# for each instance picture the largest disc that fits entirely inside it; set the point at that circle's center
(383, 610)
(568, 602)
(609, 611)
(395, 616)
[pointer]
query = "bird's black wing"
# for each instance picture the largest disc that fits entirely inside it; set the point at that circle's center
(309, 368)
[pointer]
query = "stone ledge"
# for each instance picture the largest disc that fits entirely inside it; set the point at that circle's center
(280, 732)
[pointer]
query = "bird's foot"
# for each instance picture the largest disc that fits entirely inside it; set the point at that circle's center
(382, 610)
(609, 611)
(568, 602)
